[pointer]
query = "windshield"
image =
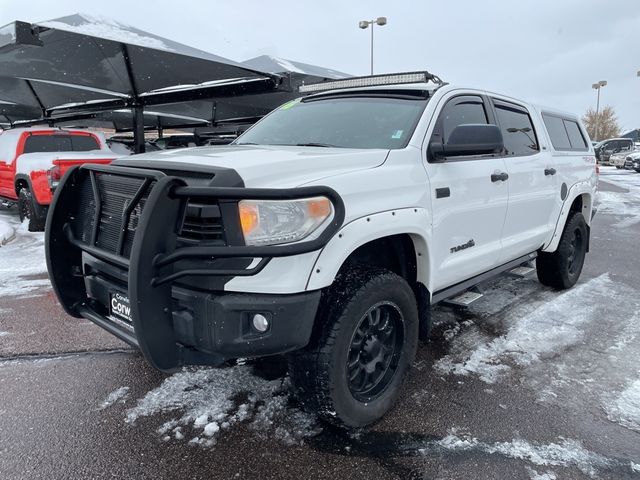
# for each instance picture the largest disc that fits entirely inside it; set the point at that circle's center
(344, 122)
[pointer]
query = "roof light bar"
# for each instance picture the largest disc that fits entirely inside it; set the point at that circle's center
(373, 80)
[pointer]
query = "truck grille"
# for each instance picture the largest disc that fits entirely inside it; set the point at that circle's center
(116, 194)
(202, 223)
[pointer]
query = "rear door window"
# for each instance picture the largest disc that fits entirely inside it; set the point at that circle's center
(517, 129)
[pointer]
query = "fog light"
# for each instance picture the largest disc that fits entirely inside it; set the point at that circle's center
(260, 323)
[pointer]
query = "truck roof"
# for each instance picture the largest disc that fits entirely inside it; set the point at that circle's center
(431, 87)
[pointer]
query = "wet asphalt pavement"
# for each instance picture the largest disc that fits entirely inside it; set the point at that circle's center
(55, 372)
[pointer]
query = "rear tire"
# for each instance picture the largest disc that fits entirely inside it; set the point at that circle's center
(561, 269)
(365, 339)
(29, 210)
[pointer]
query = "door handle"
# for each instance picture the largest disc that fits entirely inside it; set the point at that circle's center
(549, 171)
(499, 177)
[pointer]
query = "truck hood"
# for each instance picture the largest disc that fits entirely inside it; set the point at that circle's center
(264, 166)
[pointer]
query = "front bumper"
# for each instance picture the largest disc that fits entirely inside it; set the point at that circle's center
(178, 317)
(208, 327)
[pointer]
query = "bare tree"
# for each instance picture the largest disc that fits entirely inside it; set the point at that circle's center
(607, 123)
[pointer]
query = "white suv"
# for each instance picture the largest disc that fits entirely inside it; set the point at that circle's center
(325, 231)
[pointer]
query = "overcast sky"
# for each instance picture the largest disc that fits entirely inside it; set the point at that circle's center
(545, 51)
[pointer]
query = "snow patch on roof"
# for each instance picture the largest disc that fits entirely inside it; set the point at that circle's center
(108, 28)
(270, 64)
(211, 401)
(9, 34)
(286, 65)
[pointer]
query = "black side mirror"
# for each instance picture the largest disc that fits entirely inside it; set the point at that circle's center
(472, 139)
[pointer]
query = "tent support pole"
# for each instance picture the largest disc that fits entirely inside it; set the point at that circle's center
(138, 129)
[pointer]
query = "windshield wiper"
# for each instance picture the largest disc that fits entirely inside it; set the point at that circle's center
(314, 144)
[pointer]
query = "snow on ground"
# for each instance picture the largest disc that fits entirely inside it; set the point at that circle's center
(22, 261)
(7, 232)
(207, 402)
(536, 330)
(625, 409)
(534, 475)
(624, 204)
(566, 453)
(117, 396)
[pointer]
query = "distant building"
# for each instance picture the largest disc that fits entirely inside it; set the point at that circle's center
(635, 134)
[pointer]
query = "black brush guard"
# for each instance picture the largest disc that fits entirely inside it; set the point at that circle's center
(155, 253)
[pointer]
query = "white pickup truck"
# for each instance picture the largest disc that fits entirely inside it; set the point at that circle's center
(325, 232)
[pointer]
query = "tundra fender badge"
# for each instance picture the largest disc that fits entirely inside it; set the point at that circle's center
(464, 246)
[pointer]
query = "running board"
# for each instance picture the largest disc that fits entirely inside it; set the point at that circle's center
(522, 271)
(464, 299)
(454, 290)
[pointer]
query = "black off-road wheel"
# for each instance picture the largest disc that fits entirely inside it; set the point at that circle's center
(365, 339)
(561, 269)
(29, 210)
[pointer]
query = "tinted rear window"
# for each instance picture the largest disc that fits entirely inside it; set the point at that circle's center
(517, 130)
(84, 143)
(575, 135)
(60, 143)
(557, 132)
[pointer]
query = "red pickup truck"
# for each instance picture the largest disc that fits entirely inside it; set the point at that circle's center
(32, 161)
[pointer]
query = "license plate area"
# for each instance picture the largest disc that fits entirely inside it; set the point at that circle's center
(120, 307)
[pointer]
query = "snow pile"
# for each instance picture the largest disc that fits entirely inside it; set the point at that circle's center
(211, 401)
(105, 27)
(625, 410)
(117, 396)
(534, 475)
(7, 232)
(22, 260)
(567, 453)
(536, 330)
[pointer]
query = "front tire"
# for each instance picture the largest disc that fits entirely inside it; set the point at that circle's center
(561, 269)
(365, 340)
(29, 210)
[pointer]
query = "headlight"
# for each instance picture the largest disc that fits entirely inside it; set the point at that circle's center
(272, 222)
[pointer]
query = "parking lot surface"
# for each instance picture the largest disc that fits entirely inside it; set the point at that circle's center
(525, 383)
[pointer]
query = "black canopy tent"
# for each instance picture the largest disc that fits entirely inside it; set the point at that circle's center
(84, 68)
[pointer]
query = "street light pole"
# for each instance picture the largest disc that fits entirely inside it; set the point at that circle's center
(598, 86)
(364, 24)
